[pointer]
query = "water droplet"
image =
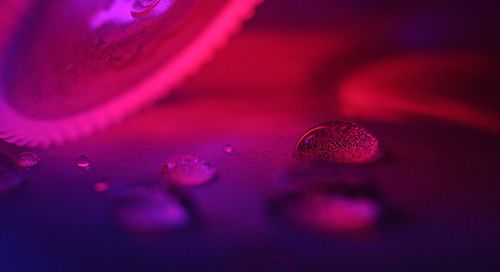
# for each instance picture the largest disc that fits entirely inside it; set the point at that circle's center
(151, 210)
(141, 8)
(82, 162)
(338, 142)
(332, 212)
(228, 149)
(187, 170)
(27, 159)
(101, 187)
(9, 181)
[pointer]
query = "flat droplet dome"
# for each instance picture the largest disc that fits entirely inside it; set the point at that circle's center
(338, 142)
(187, 170)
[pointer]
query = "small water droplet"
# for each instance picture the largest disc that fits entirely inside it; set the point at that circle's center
(82, 162)
(151, 210)
(27, 159)
(228, 149)
(9, 181)
(338, 142)
(187, 170)
(141, 8)
(101, 187)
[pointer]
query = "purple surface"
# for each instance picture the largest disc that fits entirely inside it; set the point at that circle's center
(442, 176)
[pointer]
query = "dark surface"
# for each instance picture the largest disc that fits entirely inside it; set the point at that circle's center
(277, 79)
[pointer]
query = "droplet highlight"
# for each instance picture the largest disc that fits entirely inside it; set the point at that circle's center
(339, 142)
(151, 210)
(83, 162)
(187, 170)
(27, 159)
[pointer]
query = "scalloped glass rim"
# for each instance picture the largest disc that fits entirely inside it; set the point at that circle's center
(21, 130)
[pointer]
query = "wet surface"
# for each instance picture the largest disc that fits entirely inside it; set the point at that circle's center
(439, 174)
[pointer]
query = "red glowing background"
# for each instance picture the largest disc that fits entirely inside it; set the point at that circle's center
(422, 76)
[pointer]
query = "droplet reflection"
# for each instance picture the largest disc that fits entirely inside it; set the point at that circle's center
(228, 149)
(151, 210)
(9, 181)
(328, 200)
(335, 213)
(101, 187)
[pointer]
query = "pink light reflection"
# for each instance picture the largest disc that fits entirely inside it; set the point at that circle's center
(121, 12)
(452, 86)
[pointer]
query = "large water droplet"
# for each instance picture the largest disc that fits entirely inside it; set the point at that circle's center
(27, 159)
(151, 210)
(9, 181)
(141, 8)
(338, 142)
(187, 170)
(83, 162)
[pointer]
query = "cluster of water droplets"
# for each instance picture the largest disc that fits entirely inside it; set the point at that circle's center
(318, 197)
(139, 209)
